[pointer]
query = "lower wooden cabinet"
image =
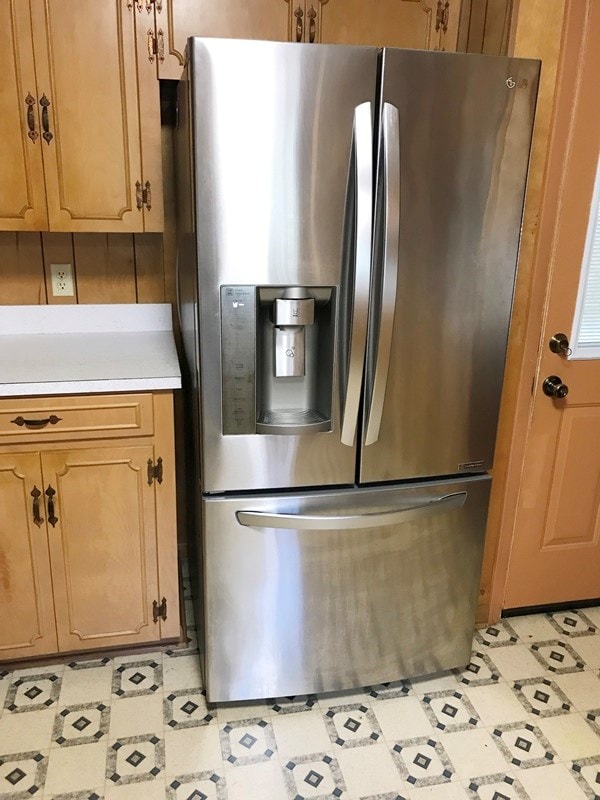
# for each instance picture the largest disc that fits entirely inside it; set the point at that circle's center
(28, 626)
(88, 538)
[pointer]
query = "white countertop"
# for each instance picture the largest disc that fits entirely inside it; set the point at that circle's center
(46, 350)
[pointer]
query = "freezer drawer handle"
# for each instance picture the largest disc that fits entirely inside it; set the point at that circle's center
(315, 522)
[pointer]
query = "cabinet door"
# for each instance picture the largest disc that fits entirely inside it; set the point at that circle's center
(421, 24)
(177, 20)
(102, 538)
(87, 91)
(22, 195)
(28, 627)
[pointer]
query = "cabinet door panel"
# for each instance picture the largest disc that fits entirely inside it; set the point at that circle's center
(27, 627)
(103, 546)
(22, 195)
(177, 20)
(421, 24)
(86, 69)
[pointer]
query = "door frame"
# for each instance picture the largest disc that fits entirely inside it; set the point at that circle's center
(551, 144)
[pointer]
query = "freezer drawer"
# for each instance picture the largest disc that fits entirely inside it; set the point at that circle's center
(321, 591)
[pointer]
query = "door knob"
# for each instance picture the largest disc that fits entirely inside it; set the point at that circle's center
(554, 387)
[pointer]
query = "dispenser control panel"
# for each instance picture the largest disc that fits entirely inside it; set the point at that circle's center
(238, 347)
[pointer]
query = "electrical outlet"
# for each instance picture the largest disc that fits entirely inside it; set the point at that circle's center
(62, 280)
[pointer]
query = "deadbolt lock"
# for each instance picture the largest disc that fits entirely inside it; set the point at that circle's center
(554, 387)
(559, 344)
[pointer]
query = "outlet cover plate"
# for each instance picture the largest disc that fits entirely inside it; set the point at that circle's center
(62, 280)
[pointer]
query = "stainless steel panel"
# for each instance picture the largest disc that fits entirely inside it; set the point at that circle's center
(465, 130)
(293, 610)
(238, 344)
(273, 133)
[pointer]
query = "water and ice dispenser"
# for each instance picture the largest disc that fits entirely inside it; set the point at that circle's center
(277, 359)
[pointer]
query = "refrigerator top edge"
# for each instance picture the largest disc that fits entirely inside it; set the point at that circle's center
(195, 42)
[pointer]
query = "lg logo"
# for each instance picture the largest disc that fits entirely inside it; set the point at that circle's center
(511, 83)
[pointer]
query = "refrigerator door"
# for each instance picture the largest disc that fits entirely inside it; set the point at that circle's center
(454, 146)
(321, 591)
(283, 187)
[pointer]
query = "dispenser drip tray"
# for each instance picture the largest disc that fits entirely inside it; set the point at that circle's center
(292, 421)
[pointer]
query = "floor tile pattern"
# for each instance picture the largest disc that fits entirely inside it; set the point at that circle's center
(521, 721)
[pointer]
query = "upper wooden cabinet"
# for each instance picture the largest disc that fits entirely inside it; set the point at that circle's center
(425, 24)
(77, 114)
(22, 195)
(421, 24)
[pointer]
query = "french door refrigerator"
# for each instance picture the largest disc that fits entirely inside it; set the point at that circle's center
(349, 222)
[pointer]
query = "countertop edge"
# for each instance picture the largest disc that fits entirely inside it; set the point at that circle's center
(103, 386)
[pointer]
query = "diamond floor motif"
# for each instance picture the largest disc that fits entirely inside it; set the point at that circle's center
(140, 726)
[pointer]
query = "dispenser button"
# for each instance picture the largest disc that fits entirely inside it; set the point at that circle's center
(294, 312)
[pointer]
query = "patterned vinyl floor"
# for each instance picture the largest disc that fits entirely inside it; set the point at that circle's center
(521, 721)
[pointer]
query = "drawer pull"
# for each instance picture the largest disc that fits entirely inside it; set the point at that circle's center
(36, 494)
(50, 492)
(36, 423)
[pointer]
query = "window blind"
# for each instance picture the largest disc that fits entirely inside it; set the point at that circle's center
(586, 324)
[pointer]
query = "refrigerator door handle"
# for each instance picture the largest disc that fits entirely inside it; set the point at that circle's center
(362, 159)
(391, 246)
(317, 522)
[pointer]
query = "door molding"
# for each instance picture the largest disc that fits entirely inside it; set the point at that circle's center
(547, 173)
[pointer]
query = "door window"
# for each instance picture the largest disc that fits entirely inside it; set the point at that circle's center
(586, 324)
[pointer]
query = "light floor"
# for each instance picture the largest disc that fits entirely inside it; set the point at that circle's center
(522, 721)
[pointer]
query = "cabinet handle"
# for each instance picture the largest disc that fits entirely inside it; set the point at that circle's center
(30, 102)
(36, 423)
(442, 16)
(46, 135)
(147, 195)
(36, 494)
(312, 25)
(298, 13)
(50, 492)
(151, 51)
(139, 200)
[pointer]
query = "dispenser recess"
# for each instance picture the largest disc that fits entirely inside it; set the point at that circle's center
(277, 359)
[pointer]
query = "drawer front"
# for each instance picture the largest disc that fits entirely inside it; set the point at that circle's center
(55, 419)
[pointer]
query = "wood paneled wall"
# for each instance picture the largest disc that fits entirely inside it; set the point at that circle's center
(108, 268)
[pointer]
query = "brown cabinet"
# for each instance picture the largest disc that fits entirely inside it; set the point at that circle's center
(425, 24)
(28, 626)
(79, 160)
(88, 548)
(421, 24)
(170, 24)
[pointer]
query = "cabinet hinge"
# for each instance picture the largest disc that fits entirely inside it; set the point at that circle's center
(155, 471)
(159, 610)
(156, 45)
(148, 4)
(143, 196)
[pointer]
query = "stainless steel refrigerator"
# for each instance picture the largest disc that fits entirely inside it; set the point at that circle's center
(349, 223)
